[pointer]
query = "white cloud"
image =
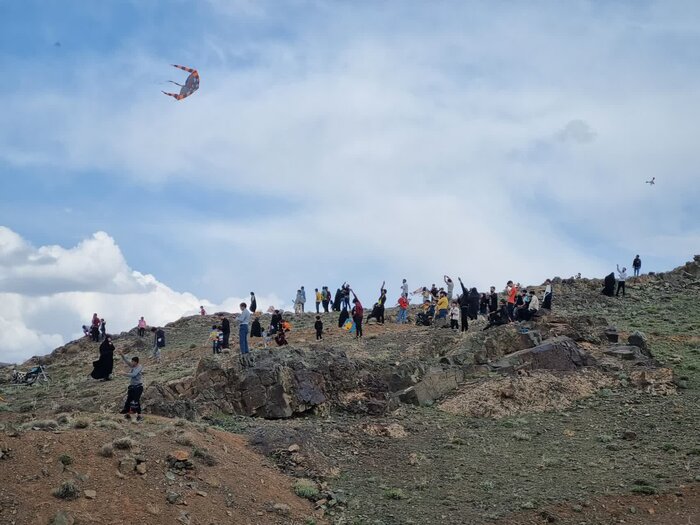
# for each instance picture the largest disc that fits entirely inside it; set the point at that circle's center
(72, 284)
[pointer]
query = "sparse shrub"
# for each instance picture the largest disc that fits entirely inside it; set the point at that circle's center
(395, 494)
(106, 450)
(519, 435)
(605, 438)
(487, 485)
(184, 439)
(644, 489)
(203, 455)
(65, 459)
(67, 490)
(669, 447)
(305, 488)
(605, 392)
(108, 423)
(193, 346)
(694, 452)
(81, 423)
(42, 424)
(180, 423)
(124, 443)
(63, 419)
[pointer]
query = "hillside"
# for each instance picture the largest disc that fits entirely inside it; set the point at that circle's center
(410, 425)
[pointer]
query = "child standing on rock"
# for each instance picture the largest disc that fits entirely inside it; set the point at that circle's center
(318, 325)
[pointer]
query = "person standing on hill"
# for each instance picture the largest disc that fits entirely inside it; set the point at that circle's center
(158, 342)
(493, 300)
(404, 288)
(103, 329)
(225, 331)
(442, 306)
(202, 311)
(325, 298)
(474, 299)
(303, 299)
(450, 286)
(243, 320)
(464, 306)
(547, 299)
(402, 315)
(511, 293)
(319, 298)
(621, 278)
(142, 327)
(133, 393)
(253, 303)
(636, 265)
(318, 326)
(357, 313)
(297, 303)
(454, 316)
(102, 368)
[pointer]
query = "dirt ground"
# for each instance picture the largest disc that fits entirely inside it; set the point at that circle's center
(234, 485)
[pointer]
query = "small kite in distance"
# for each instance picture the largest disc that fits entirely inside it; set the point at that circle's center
(651, 182)
(191, 84)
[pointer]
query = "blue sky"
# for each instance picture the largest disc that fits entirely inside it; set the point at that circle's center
(336, 141)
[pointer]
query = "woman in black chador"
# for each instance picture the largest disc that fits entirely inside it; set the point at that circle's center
(102, 368)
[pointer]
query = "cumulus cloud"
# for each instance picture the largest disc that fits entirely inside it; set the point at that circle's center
(72, 283)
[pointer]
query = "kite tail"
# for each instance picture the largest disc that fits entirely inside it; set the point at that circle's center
(173, 82)
(184, 68)
(174, 95)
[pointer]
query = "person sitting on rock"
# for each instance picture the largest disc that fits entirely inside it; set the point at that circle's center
(533, 306)
(281, 339)
(256, 328)
(500, 316)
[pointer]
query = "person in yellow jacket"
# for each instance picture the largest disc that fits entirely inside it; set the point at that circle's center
(442, 306)
(319, 298)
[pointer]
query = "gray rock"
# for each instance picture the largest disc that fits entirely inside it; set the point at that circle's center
(127, 465)
(63, 518)
(172, 497)
(639, 340)
(559, 353)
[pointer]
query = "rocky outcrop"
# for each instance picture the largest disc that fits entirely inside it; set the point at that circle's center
(436, 383)
(279, 385)
(559, 353)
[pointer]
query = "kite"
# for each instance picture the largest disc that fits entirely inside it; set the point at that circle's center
(651, 182)
(191, 84)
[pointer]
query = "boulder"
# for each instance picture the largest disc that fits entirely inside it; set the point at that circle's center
(559, 353)
(639, 340)
(434, 385)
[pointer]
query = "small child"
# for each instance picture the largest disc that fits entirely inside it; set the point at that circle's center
(454, 316)
(318, 325)
(280, 338)
(216, 338)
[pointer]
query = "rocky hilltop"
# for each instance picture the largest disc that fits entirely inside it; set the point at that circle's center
(409, 425)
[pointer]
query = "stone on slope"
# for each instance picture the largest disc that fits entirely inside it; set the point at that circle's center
(559, 353)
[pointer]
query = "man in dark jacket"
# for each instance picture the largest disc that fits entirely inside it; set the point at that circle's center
(473, 300)
(225, 330)
(493, 300)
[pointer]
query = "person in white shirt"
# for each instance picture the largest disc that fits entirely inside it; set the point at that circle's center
(243, 320)
(621, 278)
(534, 304)
(547, 298)
(454, 316)
(404, 288)
(450, 286)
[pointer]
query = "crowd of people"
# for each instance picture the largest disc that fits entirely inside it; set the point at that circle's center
(439, 306)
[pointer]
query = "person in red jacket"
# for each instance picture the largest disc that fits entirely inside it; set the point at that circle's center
(357, 313)
(512, 293)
